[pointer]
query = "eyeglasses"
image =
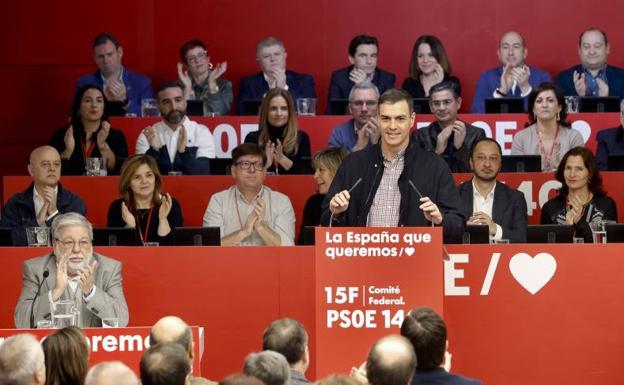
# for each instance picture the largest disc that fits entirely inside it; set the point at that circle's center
(245, 164)
(442, 103)
(361, 103)
(198, 57)
(70, 243)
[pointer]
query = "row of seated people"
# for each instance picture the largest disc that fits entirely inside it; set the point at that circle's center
(429, 65)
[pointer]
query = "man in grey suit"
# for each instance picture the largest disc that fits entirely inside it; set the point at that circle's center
(72, 272)
(485, 201)
(288, 337)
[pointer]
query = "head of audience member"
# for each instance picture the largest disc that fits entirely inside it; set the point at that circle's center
(248, 161)
(173, 329)
(89, 106)
(289, 338)
(547, 102)
(445, 102)
(426, 330)
(396, 117)
(171, 103)
(22, 361)
(269, 366)
(578, 171)
(278, 118)
(325, 164)
(338, 380)
(66, 356)
(363, 51)
(140, 180)
(391, 361)
(241, 379)
(72, 235)
(44, 166)
(107, 54)
(271, 55)
(363, 99)
(593, 48)
(486, 159)
(512, 50)
(194, 54)
(111, 373)
(427, 53)
(165, 363)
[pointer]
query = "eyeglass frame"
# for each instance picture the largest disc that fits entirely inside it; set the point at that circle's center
(82, 243)
(258, 165)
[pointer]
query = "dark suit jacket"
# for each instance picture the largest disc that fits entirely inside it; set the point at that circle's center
(254, 87)
(610, 142)
(440, 376)
(340, 84)
(615, 79)
(509, 210)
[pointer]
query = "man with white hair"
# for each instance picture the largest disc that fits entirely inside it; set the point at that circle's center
(269, 366)
(111, 373)
(72, 272)
(22, 361)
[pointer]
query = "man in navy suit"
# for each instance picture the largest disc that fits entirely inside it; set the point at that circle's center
(485, 201)
(363, 52)
(271, 56)
(610, 141)
(427, 333)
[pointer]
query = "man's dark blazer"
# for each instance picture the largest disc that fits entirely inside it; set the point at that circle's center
(610, 142)
(340, 84)
(254, 87)
(440, 376)
(509, 210)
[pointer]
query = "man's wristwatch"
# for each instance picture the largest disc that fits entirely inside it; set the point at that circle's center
(499, 92)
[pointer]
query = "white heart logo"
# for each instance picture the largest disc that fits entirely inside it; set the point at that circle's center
(533, 273)
(409, 251)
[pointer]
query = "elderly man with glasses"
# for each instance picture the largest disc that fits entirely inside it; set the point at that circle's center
(71, 272)
(249, 213)
(362, 130)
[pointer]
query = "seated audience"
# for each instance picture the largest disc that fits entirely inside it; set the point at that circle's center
(250, 213)
(548, 135)
(271, 57)
(143, 206)
(202, 81)
(89, 135)
(165, 364)
(22, 361)
(514, 78)
(391, 361)
(581, 199)
(610, 142)
(241, 379)
(268, 366)
(289, 338)
(429, 65)
(426, 331)
(286, 147)
(486, 201)
(325, 164)
(593, 76)
(43, 200)
(66, 356)
(363, 51)
(119, 83)
(362, 130)
(110, 373)
(448, 136)
(177, 143)
(91, 280)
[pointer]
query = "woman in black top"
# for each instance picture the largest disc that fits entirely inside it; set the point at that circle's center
(429, 66)
(142, 205)
(287, 148)
(581, 199)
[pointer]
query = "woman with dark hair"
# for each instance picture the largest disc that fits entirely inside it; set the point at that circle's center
(66, 357)
(429, 66)
(89, 135)
(286, 147)
(142, 205)
(581, 199)
(547, 134)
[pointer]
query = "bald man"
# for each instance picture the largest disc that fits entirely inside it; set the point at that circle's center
(391, 361)
(111, 373)
(43, 200)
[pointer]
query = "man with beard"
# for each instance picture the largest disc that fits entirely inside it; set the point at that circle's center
(74, 272)
(43, 200)
(177, 143)
(485, 201)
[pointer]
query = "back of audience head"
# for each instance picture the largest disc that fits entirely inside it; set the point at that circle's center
(289, 338)
(22, 361)
(172, 329)
(165, 363)
(111, 373)
(67, 357)
(426, 330)
(241, 379)
(391, 361)
(437, 51)
(269, 366)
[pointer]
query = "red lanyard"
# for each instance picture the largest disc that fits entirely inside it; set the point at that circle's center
(147, 227)
(547, 157)
(85, 151)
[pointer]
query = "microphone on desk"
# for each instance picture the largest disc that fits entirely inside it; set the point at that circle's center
(45, 275)
(331, 216)
(413, 186)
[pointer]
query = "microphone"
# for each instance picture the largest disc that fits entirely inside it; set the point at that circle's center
(413, 186)
(46, 272)
(357, 182)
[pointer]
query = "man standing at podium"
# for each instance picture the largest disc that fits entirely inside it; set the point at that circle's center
(394, 183)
